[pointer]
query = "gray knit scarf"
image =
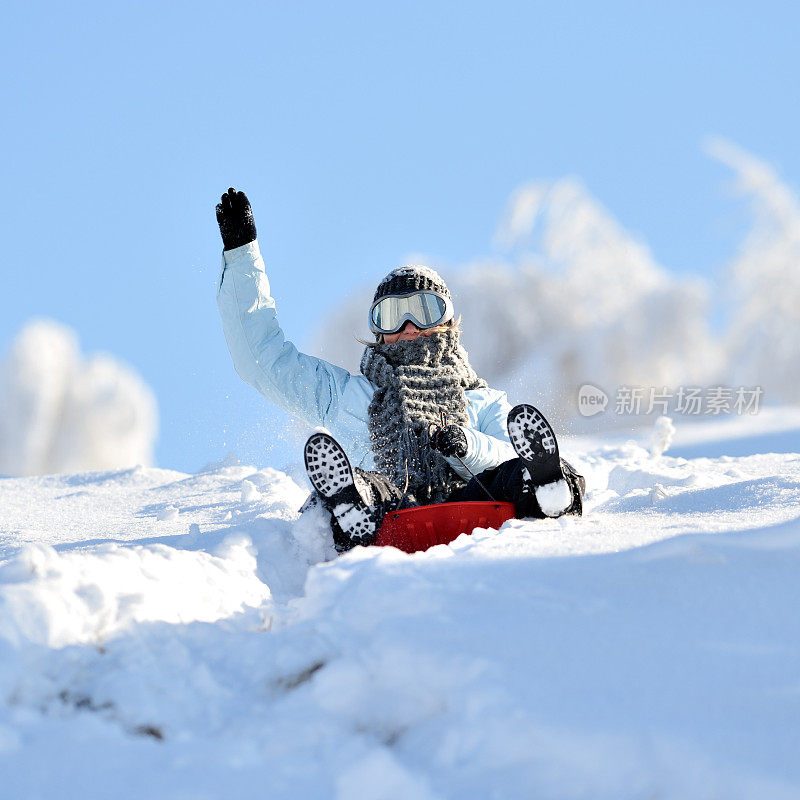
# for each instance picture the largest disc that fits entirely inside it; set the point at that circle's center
(416, 381)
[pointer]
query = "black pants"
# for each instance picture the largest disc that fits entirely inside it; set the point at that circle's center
(503, 483)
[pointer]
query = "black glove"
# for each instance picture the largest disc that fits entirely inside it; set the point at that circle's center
(449, 441)
(235, 218)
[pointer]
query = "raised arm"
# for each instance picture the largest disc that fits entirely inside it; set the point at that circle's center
(305, 386)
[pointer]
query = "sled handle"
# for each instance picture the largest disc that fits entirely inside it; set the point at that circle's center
(477, 479)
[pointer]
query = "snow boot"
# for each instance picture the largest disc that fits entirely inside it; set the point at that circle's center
(344, 493)
(557, 487)
(535, 443)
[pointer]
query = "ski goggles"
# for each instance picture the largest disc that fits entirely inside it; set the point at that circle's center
(425, 309)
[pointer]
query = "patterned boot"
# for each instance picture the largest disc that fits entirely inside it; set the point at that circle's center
(344, 493)
(535, 443)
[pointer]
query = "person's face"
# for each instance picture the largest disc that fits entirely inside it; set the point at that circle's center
(407, 333)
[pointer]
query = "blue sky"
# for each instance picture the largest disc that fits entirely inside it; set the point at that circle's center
(362, 132)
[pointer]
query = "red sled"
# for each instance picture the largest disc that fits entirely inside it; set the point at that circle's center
(415, 529)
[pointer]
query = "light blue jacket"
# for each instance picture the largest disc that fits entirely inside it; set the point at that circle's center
(321, 393)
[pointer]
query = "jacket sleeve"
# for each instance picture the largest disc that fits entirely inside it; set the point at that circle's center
(488, 444)
(302, 385)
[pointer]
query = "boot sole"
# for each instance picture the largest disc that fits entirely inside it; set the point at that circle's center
(330, 473)
(524, 423)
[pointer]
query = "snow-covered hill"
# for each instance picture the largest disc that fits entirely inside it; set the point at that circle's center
(186, 636)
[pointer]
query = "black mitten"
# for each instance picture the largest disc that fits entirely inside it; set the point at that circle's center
(235, 218)
(449, 441)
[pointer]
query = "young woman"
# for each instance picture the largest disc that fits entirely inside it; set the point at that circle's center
(417, 426)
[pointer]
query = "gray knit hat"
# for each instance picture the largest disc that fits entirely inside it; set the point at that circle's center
(411, 278)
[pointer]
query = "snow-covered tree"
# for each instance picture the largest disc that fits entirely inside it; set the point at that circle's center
(62, 413)
(764, 341)
(572, 298)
